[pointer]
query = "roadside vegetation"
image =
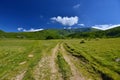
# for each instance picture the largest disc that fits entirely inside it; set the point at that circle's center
(64, 68)
(98, 58)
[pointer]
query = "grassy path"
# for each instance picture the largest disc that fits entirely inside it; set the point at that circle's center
(42, 70)
(46, 68)
(54, 70)
(75, 72)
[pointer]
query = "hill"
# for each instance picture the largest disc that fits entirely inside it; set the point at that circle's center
(45, 34)
(63, 33)
(114, 32)
(1, 31)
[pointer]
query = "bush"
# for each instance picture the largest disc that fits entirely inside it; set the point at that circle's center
(49, 37)
(82, 41)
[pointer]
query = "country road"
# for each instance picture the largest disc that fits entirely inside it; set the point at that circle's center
(47, 67)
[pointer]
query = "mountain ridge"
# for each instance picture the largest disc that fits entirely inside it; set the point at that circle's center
(114, 32)
(62, 33)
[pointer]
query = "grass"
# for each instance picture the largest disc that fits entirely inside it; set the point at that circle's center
(96, 59)
(64, 68)
(14, 52)
(98, 56)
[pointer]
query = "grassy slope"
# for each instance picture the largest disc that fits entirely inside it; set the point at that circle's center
(45, 34)
(61, 34)
(114, 32)
(98, 56)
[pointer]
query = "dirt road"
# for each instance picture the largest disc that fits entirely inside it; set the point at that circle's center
(75, 73)
(47, 68)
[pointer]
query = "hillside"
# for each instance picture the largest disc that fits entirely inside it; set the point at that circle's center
(45, 34)
(63, 33)
(114, 32)
(1, 31)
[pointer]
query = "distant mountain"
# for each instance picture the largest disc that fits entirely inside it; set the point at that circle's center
(1, 31)
(114, 32)
(62, 34)
(46, 34)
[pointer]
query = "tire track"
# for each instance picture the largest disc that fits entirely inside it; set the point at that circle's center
(47, 68)
(55, 75)
(75, 72)
(20, 76)
(42, 71)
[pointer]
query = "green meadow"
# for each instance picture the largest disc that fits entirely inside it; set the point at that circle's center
(91, 59)
(17, 56)
(97, 57)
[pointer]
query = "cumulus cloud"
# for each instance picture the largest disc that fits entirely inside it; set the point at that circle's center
(20, 29)
(76, 6)
(81, 24)
(30, 30)
(66, 21)
(105, 27)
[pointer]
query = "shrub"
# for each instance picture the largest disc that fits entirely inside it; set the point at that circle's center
(82, 41)
(49, 37)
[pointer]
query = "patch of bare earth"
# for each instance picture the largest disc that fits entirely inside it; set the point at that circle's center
(22, 63)
(55, 75)
(30, 55)
(42, 70)
(19, 76)
(76, 75)
(46, 68)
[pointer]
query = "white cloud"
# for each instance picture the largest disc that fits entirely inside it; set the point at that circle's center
(66, 21)
(20, 29)
(30, 30)
(105, 27)
(76, 6)
(81, 24)
(24, 30)
(33, 30)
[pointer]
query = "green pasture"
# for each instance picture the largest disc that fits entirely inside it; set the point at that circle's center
(98, 57)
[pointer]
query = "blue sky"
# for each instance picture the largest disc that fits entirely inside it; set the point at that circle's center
(28, 15)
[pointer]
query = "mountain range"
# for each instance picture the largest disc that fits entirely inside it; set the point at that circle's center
(63, 33)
